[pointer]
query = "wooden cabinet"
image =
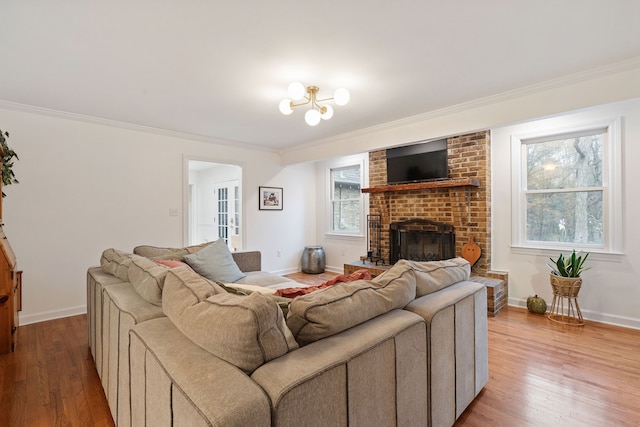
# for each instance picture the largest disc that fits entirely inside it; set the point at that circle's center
(10, 295)
(10, 288)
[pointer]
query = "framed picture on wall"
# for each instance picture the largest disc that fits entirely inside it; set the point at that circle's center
(270, 198)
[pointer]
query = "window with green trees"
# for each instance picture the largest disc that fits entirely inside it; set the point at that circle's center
(346, 199)
(563, 188)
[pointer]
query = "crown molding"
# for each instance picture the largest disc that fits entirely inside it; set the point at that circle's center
(129, 126)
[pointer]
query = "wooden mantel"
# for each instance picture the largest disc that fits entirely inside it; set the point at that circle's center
(447, 183)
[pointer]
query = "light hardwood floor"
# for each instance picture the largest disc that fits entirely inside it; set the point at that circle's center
(540, 374)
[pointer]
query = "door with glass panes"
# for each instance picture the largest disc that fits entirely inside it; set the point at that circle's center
(228, 210)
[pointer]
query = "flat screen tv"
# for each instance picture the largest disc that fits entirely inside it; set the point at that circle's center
(427, 161)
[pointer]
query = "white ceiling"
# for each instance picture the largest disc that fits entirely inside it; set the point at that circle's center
(217, 69)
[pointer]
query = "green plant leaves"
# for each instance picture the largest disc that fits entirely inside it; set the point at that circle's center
(569, 267)
(8, 177)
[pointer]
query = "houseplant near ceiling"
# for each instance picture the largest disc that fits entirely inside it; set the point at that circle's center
(566, 283)
(8, 177)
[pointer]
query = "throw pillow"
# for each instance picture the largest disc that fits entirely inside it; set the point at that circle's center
(215, 262)
(246, 331)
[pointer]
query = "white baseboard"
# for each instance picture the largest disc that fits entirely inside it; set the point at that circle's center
(610, 319)
(332, 269)
(285, 271)
(50, 315)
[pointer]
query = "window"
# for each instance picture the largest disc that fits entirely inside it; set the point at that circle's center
(346, 199)
(568, 188)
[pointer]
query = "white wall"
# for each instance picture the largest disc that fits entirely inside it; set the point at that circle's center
(86, 186)
(285, 232)
(610, 290)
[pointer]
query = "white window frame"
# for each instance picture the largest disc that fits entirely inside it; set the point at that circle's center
(329, 205)
(612, 187)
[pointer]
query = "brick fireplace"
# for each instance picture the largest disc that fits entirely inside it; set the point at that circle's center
(466, 207)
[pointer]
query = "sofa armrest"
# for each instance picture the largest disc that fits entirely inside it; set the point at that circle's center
(371, 374)
(172, 378)
(458, 366)
(248, 260)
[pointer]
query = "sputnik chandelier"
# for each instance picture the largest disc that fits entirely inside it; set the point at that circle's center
(309, 95)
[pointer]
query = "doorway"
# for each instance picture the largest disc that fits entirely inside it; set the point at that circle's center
(213, 203)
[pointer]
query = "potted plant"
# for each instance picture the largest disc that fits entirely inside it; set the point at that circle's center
(565, 274)
(7, 155)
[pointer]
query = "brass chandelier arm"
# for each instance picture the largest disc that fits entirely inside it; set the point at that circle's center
(311, 99)
(308, 100)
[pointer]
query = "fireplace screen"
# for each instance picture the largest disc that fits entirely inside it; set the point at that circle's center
(374, 253)
(421, 240)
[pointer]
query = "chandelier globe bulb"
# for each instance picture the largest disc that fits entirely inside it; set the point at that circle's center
(285, 107)
(312, 117)
(296, 91)
(341, 96)
(327, 112)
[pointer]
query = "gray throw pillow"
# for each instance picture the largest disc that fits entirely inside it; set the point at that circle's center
(215, 262)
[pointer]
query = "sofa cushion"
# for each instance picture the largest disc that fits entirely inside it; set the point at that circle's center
(265, 279)
(245, 290)
(246, 331)
(432, 276)
(171, 263)
(334, 309)
(147, 278)
(156, 252)
(250, 288)
(215, 263)
(145, 275)
(116, 263)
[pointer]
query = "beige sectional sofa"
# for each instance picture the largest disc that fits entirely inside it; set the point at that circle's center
(408, 348)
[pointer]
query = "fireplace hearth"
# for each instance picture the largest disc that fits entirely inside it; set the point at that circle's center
(421, 240)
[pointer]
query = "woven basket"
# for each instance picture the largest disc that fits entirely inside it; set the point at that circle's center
(565, 286)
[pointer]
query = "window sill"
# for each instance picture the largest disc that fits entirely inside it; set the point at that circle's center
(343, 236)
(594, 254)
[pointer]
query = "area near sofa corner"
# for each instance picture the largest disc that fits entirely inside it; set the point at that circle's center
(408, 347)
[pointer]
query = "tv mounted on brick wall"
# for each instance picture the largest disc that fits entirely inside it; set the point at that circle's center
(427, 161)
